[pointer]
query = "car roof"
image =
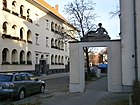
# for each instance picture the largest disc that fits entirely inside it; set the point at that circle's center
(13, 73)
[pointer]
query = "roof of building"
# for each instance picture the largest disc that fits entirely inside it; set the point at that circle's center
(51, 9)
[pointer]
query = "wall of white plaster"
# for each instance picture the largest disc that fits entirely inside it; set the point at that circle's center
(77, 79)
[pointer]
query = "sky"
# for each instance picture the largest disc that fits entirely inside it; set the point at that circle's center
(102, 8)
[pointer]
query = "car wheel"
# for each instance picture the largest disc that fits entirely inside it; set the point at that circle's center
(42, 88)
(21, 94)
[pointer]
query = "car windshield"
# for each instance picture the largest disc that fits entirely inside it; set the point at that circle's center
(5, 78)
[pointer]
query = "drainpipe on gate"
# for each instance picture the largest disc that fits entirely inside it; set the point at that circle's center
(135, 40)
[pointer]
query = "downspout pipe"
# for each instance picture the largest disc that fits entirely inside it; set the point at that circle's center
(135, 40)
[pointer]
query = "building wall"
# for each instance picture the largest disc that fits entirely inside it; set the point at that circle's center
(127, 39)
(77, 71)
(138, 35)
(40, 28)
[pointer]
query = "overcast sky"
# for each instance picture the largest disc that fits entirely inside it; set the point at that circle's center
(102, 8)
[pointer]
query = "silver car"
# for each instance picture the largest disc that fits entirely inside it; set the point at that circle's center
(20, 85)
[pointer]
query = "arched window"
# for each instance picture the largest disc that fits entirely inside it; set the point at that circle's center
(4, 3)
(29, 35)
(29, 56)
(5, 26)
(52, 26)
(14, 56)
(66, 47)
(42, 56)
(21, 33)
(56, 59)
(22, 57)
(59, 60)
(59, 44)
(22, 10)
(52, 42)
(52, 59)
(59, 29)
(56, 28)
(62, 45)
(62, 30)
(5, 55)
(28, 13)
(62, 60)
(14, 30)
(56, 43)
(14, 6)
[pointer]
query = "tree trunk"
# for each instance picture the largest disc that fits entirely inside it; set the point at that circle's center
(87, 61)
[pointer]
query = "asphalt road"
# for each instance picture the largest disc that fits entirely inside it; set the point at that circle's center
(53, 86)
(57, 84)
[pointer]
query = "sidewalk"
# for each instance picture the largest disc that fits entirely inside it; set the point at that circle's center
(95, 94)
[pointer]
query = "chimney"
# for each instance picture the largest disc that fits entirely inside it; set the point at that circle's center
(56, 7)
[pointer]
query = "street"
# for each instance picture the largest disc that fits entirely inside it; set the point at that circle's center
(57, 84)
(53, 86)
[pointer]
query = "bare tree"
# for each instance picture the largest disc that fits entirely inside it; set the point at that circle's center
(82, 15)
(115, 12)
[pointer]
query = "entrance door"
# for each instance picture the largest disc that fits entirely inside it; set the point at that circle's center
(42, 66)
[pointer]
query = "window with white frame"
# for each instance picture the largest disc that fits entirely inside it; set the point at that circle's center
(36, 19)
(66, 47)
(47, 41)
(47, 24)
(37, 39)
(47, 57)
(14, 6)
(36, 59)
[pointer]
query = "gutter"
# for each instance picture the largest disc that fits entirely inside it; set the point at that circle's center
(135, 40)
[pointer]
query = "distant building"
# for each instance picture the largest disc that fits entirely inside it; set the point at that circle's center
(34, 37)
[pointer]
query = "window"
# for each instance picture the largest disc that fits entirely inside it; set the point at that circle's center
(47, 41)
(52, 59)
(56, 28)
(22, 57)
(52, 26)
(62, 60)
(28, 13)
(56, 43)
(59, 59)
(14, 56)
(36, 19)
(28, 35)
(37, 39)
(59, 44)
(14, 6)
(29, 61)
(52, 42)
(5, 54)
(21, 10)
(47, 24)
(21, 33)
(47, 57)
(4, 3)
(24, 77)
(55, 59)
(36, 59)
(66, 46)
(4, 26)
(14, 30)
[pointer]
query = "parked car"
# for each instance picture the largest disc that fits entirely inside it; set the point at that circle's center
(20, 85)
(103, 67)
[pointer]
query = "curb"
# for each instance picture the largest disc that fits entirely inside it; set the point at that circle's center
(45, 77)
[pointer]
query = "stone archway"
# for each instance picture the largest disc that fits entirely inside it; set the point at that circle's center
(77, 73)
